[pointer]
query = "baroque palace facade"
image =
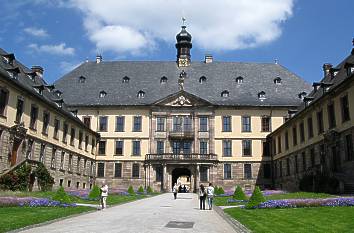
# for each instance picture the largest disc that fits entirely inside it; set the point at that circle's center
(204, 121)
(36, 127)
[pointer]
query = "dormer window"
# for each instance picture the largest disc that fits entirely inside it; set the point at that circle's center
(239, 80)
(202, 79)
(103, 94)
(9, 58)
(82, 79)
(13, 73)
(262, 95)
(225, 93)
(59, 102)
(277, 80)
(163, 80)
(58, 93)
(50, 87)
(39, 89)
(125, 79)
(141, 94)
(302, 95)
(350, 70)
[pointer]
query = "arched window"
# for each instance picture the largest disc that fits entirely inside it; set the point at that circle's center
(202, 79)
(163, 79)
(225, 93)
(239, 80)
(125, 79)
(262, 95)
(141, 94)
(103, 94)
(82, 79)
(277, 80)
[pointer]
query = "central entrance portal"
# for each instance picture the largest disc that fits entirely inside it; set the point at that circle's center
(182, 176)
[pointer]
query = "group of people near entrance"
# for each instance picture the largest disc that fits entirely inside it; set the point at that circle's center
(204, 193)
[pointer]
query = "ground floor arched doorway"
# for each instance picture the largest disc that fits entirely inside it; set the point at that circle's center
(182, 176)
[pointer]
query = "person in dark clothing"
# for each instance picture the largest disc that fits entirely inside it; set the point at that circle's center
(184, 189)
(202, 196)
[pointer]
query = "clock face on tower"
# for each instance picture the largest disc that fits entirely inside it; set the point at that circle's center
(183, 62)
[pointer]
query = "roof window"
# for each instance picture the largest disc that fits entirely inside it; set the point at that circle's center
(277, 80)
(141, 94)
(302, 95)
(239, 80)
(163, 79)
(39, 89)
(103, 94)
(9, 58)
(262, 95)
(125, 79)
(13, 72)
(202, 79)
(82, 79)
(225, 93)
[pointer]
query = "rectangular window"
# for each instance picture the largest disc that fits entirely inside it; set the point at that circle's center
(65, 132)
(53, 160)
(227, 171)
(136, 170)
(62, 160)
(187, 147)
(102, 148)
(203, 124)
(349, 147)
(87, 121)
(4, 95)
(344, 103)
(100, 169)
(42, 153)
(266, 123)
(78, 165)
(29, 150)
(159, 173)
(286, 140)
(56, 128)
(137, 124)
(34, 117)
(227, 148)
(287, 166)
(312, 157)
(85, 166)
(72, 136)
(86, 142)
(160, 124)
(187, 123)
(279, 144)
(93, 142)
(203, 171)
(246, 124)
(247, 171)
(160, 147)
(247, 147)
(136, 148)
(177, 124)
(19, 110)
(46, 118)
(304, 165)
(294, 136)
(310, 127)
(119, 147)
(103, 123)
(70, 165)
(265, 147)
(118, 170)
(302, 132)
(120, 121)
(226, 124)
(331, 116)
(176, 147)
(203, 147)
(296, 165)
(266, 171)
(280, 168)
(81, 137)
(320, 127)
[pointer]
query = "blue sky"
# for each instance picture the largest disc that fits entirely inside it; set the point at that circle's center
(60, 34)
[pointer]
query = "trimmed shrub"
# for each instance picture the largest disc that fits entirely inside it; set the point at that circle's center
(221, 190)
(45, 180)
(94, 193)
(131, 190)
(62, 196)
(140, 189)
(17, 180)
(149, 190)
(239, 194)
(256, 198)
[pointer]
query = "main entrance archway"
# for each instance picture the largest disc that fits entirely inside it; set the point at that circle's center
(181, 176)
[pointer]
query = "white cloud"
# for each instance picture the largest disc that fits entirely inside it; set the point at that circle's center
(135, 26)
(68, 66)
(59, 49)
(38, 32)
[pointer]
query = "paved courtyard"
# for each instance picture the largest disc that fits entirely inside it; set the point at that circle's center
(157, 214)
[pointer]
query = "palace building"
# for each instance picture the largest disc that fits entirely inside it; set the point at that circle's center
(314, 149)
(203, 121)
(36, 127)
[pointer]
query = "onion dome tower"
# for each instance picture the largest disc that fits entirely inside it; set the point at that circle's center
(183, 46)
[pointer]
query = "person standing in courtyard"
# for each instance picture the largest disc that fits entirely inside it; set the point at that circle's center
(210, 195)
(104, 195)
(175, 190)
(202, 196)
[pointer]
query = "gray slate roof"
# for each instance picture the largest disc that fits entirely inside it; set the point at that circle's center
(145, 75)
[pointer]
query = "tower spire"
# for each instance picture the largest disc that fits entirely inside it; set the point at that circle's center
(183, 46)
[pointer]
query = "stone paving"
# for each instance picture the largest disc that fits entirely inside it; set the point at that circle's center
(156, 214)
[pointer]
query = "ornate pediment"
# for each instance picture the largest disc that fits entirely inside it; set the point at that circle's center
(182, 99)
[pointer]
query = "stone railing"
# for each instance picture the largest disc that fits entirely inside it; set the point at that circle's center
(181, 157)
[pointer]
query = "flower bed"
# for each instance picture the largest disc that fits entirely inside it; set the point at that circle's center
(31, 202)
(230, 193)
(299, 203)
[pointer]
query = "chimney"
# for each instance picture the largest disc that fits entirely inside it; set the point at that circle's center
(38, 70)
(98, 58)
(208, 58)
(327, 69)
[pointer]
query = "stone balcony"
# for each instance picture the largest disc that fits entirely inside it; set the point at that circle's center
(193, 157)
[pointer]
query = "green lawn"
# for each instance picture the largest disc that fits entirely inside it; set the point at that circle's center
(16, 217)
(320, 219)
(222, 201)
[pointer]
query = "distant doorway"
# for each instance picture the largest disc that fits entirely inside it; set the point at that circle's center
(182, 176)
(15, 147)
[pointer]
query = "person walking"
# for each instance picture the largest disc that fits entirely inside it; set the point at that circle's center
(104, 195)
(210, 195)
(202, 196)
(175, 190)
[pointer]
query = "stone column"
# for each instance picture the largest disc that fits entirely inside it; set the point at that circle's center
(164, 177)
(196, 180)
